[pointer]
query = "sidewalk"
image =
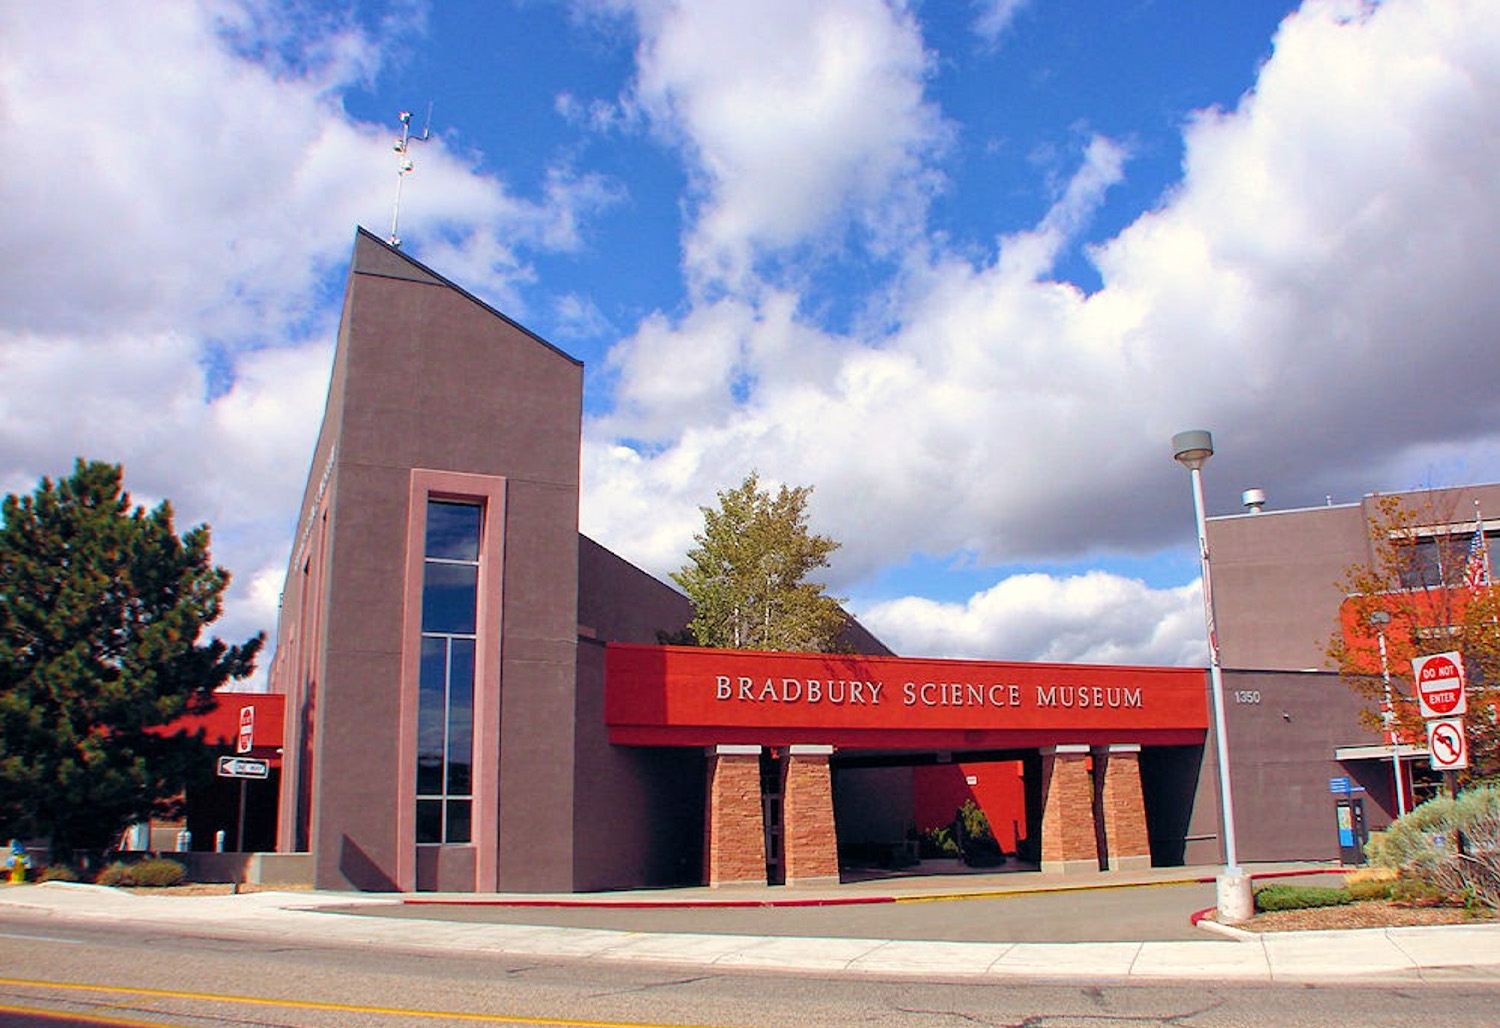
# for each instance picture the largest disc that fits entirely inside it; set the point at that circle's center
(1459, 953)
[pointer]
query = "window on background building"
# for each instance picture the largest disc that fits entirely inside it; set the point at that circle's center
(1433, 561)
(1426, 562)
(445, 696)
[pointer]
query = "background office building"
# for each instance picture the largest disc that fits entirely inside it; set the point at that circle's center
(1277, 576)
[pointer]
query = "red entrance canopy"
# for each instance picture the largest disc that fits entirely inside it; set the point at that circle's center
(689, 696)
(221, 726)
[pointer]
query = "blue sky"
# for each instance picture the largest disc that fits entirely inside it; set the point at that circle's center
(1021, 107)
(962, 267)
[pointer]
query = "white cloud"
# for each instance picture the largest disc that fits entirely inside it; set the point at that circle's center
(1318, 290)
(578, 317)
(181, 191)
(182, 182)
(237, 463)
(698, 372)
(1331, 245)
(1094, 618)
(200, 188)
(798, 120)
(907, 438)
(995, 16)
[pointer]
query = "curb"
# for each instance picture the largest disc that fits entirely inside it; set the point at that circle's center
(587, 904)
(1202, 919)
(834, 901)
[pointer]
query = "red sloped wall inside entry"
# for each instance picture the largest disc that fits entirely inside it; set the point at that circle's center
(940, 789)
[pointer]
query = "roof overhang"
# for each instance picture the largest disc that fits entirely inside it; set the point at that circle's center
(1381, 752)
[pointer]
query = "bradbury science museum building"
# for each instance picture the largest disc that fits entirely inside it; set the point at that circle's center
(475, 699)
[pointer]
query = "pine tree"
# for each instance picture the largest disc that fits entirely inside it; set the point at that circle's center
(101, 609)
(747, 574)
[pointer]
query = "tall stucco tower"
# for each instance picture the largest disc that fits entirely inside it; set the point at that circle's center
(445, 476)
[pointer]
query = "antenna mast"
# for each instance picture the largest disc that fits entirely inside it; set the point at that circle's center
(404, 164)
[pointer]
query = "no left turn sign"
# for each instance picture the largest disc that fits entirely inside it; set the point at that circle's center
(1447, 744)
(1440, 684)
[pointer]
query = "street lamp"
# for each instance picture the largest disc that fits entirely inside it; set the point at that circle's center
(1236, 901)
(1381, 618)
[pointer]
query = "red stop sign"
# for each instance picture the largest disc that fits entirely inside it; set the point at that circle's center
(1440, 684)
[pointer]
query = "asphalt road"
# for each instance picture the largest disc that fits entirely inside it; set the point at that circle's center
(85, 958)
(122, 975)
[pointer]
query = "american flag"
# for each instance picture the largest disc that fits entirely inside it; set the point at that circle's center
(1477, 566)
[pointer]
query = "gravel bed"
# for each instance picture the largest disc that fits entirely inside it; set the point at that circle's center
(1368, 914)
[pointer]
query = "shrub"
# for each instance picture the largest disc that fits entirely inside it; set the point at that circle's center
(938, 843)
(57, 873)
(1452, 844)
(1414, 892)
(158, 872)
(112, 874)
(1300, 897)
(153, 872)
(976, 843)
(1371, 889)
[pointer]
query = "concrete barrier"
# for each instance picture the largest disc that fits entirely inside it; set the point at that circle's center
(291, 869)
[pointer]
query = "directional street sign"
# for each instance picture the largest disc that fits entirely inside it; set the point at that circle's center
(1447, 744)
(244, 767)
(1440, 684)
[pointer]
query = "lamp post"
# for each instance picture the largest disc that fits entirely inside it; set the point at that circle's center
(1236, 901)
(1381, 618)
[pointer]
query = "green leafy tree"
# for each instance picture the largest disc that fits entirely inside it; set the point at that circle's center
(1414, 591)
(747, 574)
(101, 609)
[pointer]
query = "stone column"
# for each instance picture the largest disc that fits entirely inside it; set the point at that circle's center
(1068, 845)
(734, 844)
(809, 843)
(1124, 807)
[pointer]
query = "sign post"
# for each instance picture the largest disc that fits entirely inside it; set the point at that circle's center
(1444, 701)
(244, 744)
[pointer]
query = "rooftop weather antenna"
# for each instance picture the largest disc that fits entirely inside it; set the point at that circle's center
(404, 164)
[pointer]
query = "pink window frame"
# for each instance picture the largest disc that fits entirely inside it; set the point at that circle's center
(489, 492)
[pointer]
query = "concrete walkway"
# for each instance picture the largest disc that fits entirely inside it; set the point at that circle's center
(1458, 953)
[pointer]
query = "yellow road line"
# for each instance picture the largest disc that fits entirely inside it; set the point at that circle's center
(348, 1008)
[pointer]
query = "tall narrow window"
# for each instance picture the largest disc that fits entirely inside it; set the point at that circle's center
(445, 697)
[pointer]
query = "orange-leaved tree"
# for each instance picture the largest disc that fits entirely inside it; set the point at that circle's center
(1425, 590)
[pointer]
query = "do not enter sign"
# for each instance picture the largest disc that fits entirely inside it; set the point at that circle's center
(1440, 684)
(246, 741)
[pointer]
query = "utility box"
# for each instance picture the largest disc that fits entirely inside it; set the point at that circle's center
(1353, 834)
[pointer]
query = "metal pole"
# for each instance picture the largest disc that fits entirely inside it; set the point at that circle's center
(1221, 735)
(1390, 725)
(239, 834)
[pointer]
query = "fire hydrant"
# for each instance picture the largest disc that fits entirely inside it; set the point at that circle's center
(17, 862)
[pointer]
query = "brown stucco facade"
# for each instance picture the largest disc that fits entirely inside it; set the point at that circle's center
(438, 402)
(436, 396)
(1276, 573)
(412, 412)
